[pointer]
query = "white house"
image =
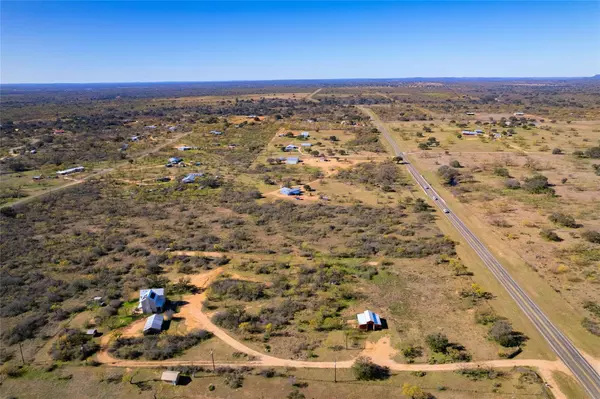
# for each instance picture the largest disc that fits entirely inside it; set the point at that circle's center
(152, 300)
(290, 147)
(69, 171)
(305, 134)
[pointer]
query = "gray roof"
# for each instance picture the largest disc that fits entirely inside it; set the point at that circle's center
(154, 322)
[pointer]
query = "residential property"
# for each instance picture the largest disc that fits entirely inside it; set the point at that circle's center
(152, 300)
(469, 133)
(59, 131)
(290, 191)
(479, 131)
(184, 148)
(191, 177)
(172, 377)
(134, 138)
(172, 128)
(71, 170)
(216, 132)
(470, 113)
(92, 331)
(292, 160)
(305, 135)
(290, 147)
(175, 160)
(369, 321)
(153, 324)
(519, 113)
(150, 127)
(306, 145)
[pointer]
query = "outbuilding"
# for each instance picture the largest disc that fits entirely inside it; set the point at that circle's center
(170, 376)
(71, 170)
(304, 134)
(292, 160)
(369, 321)
(153, 324)
(306, 145)
(92, 332)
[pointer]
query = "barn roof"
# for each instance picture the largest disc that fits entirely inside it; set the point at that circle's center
(368, 316)
(154, 322)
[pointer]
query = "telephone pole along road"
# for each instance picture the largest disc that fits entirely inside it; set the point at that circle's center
(566, 351)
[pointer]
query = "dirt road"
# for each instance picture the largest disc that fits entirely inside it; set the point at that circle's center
(380, 352)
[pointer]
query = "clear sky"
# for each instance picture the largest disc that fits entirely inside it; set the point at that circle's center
(140, 41)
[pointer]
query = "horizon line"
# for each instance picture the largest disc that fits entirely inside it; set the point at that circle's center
(304, 80)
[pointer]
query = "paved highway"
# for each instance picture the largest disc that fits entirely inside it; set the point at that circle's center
(566, 351)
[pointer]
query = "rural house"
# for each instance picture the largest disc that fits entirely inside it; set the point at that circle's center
(175, 160)
(369, 321)
(153, 324)
(292, 160)
(191, 177)
(170, 376)
(306, 145)
(290, 147)
(305, 135)
(152, 300)
(184, 148)
(290, 191)
(216, 132)
(71, 170)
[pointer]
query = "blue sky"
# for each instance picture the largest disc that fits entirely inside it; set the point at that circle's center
(203, 41)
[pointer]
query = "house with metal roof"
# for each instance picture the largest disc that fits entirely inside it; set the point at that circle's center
(369, 321)
(306, 145)
(191, 177)
(290, 147)
(153, 324)
(152, 300)
(175, 160)
(292, 160)
(216, 132)
(71, 170)
(184, 148)
(290, 191)
(170, 376)
(304, 134)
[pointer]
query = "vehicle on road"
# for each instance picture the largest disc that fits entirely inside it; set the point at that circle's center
(446, 210)
(435, 198)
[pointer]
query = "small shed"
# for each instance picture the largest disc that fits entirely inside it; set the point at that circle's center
(306, 145)
(170, 376)
(290, 147)
(304, 134)
(292, 160)
(92, 332)
(216, 132)
(153, 324)
(369, 321)
(184, 148)
(290, 191)
(175, 160)
(191, 177)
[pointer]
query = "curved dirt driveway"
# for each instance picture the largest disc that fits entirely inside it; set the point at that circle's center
(380, 352)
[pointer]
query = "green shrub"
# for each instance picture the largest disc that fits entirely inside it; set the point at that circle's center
(592, 326)
(563, 219)
(512, 184)
(455, 164)
(591, 236)
(503, 172)
(502, 332)
(593, 152)
(73, 345)
(550, 235)
(365, 370)
(437, 342)
(537, 184)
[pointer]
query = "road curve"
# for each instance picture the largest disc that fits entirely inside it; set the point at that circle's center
(582, 370)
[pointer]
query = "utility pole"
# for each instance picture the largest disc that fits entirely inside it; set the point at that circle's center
(335, 370)
(21, 349)
(212, 356)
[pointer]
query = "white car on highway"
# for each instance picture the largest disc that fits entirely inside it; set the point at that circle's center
(446, 210)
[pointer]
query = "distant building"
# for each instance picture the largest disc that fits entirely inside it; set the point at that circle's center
(175, 160)
(172, 377)
(306, 145)
(152, 300)
(290, 147)
(290, 191)
(519, 113)
(150, 127)
(305, 135)
(172, 128)
(292, 160)
(191, 177)
(153, 324)
(58, 131)
(134, 138)
(216, 132)
(71, 170)
(369, 321)
(92, 331)
(184, 148)
(469, 133)
(470, 113)
(479, 131)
